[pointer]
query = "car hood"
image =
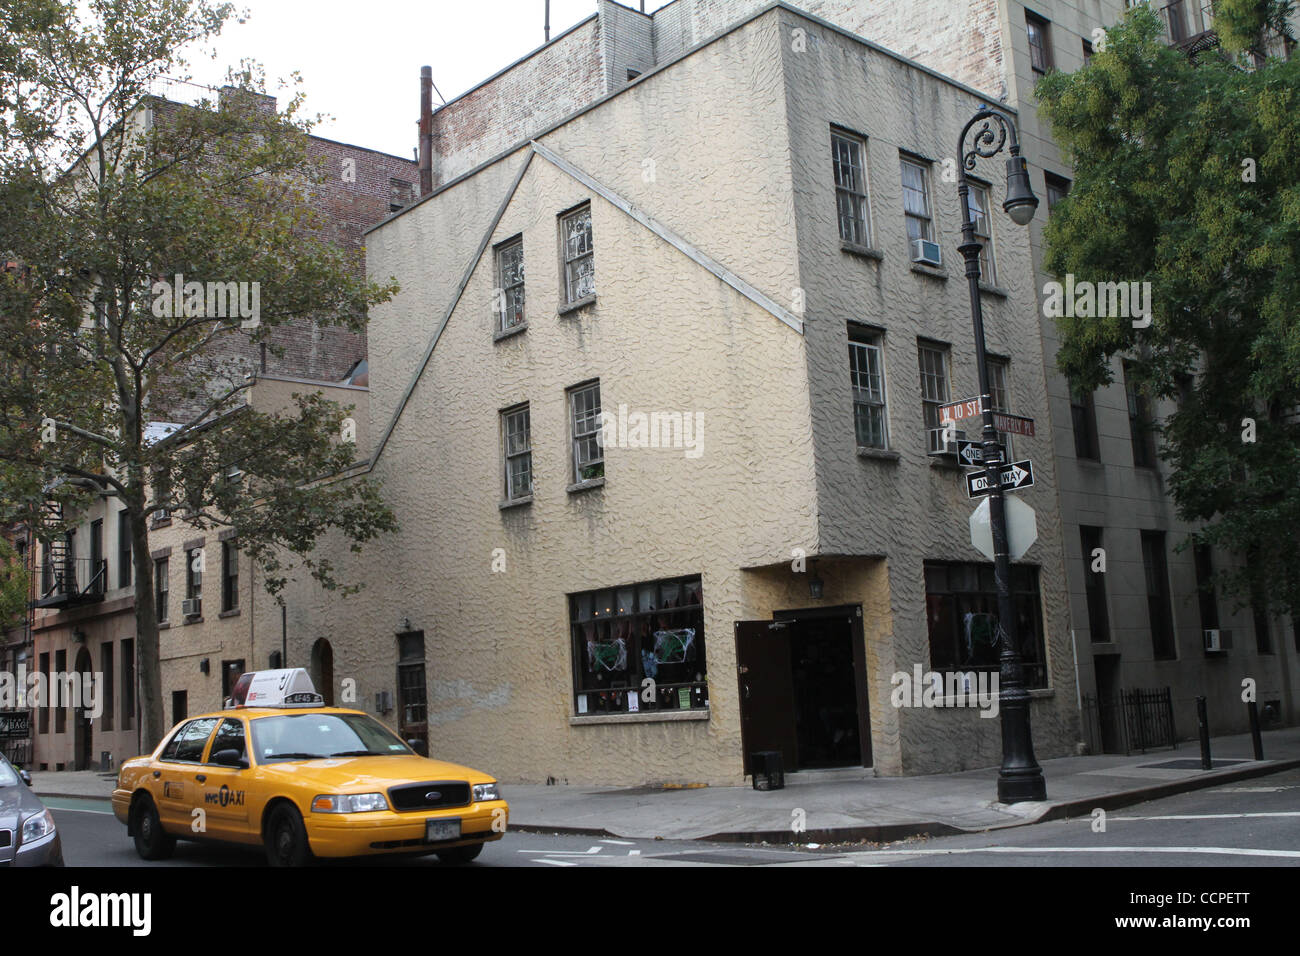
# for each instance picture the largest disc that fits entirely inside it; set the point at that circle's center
(15, 801)
(367, 774)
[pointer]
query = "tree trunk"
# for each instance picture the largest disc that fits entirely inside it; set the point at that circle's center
(149, 668)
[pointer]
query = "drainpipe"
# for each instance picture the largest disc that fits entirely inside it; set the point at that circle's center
(548, 21)
(426, 130)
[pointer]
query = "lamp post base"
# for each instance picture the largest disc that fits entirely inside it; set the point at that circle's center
(1022, 785)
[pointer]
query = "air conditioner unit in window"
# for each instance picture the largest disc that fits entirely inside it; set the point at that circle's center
(927, 252)
(1217, 640)
(937, 444)
(192, 607)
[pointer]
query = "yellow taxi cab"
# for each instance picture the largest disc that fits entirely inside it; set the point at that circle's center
(279, 769)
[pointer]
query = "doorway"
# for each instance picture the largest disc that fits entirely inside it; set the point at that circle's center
(1108, 703)
(803, 689)
(322, 669)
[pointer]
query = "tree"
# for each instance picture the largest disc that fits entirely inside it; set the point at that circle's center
(1186, 177)
(114, 380)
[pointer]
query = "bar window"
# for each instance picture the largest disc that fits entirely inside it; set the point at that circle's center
(1040, 47)
(848, 158)
(518, 452)
(867, 376)
(229, 576)
(579, 257)
(584, 421)
(916, 199)
(625, 635)
(510, 285)
(977, 203)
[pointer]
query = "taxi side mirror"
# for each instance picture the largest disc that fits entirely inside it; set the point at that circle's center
(230, 758)
(419, 746)
(26, 777)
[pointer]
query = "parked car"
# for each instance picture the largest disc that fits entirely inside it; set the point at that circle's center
(280, 770)
(28, 836)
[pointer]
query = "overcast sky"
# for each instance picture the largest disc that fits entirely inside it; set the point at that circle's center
(360, 59)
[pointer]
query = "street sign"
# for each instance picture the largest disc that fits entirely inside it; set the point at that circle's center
(1016, 475)
(970, 453)
(1022, 528)
(966, 408)
(1013, 424)
(16, 724)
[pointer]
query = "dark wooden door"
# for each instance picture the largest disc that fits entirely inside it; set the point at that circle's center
(766, 690)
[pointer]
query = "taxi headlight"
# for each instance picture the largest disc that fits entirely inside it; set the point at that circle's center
(486, 791)
(37, 827)
(348, 803)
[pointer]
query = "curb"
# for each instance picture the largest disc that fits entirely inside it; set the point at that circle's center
(42, 794)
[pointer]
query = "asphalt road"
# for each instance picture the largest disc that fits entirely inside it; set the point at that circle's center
(1251, 823)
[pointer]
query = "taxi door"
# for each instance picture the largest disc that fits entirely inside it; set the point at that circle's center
(175, 784)
(222, 791)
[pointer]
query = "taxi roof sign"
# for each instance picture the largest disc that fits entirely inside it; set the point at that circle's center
(287, 687)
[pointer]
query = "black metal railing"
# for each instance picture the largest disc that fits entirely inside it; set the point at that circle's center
(1132, 720)
(68, 580)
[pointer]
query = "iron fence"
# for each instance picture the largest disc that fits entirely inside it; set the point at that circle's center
(1140, 720)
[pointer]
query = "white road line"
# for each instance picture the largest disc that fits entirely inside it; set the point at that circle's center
(633, 852)
(594, 849)
(1212, 816)
(75, 810)
(556, 862)
(619, 842)
(1208, 850)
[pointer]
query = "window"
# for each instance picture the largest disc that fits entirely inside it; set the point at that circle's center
(230, 736)
(1159, 611)
(1176, 20)
(916, 199)
(516, 436)
(848, 160)
(1209, 604)
(1094, 585)
(231, 671)
(584, 418)
(1040, 45)
(43, 715)
(978, 209)
(624, 635)
(180, 706)
(1000, 397)
(1087, 52)
(128, 683)
(579, 259)
(1259, 604)
(510, 282)
(187, 744)
(867, 375)
(934, 389)
(194, 573)
(1057, 189)
(1139, 422)
(1083, 414)
(229, 576)
(962, 614)
(160, 585)
(124, 549)
(412, 691)
(60, 713)
(632, 74)
(106, 684)
(97, 573)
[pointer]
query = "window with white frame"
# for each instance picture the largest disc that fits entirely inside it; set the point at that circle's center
(1000, 397)
(518, 452)
(867, 373)
(848, 157)
(510, 283)
(977, 203)
(579, 257)
(584, 419)
(916, 199)
(933, 361)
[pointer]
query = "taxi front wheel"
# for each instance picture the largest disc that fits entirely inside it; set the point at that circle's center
(286, 838)
(152, 842)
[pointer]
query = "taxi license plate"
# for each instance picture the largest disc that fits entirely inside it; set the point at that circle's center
(436, 831)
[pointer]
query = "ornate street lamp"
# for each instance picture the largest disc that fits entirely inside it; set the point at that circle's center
(1020, 778)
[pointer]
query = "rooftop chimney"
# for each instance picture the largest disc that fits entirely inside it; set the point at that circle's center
(548, 21)
(426, 130)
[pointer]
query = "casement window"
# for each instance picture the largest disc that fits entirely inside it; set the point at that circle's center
(1083, 415)
(124, 550)
(1058, 187)
(933, 361)
(1159, 611)
(625, 635)
(848, 158)
(579, 257)
(1090, 540)
(916, 199)
(962, 616)
(510, 285)
(977, 203)
(1040, 43)
(867, 377)
(1139, 422)
(229, 576)
(516, 437)
(584, 424)
(160, 588)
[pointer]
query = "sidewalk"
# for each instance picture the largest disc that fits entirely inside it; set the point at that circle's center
(851, 805)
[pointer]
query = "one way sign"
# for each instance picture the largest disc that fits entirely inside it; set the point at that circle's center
(1017, 474)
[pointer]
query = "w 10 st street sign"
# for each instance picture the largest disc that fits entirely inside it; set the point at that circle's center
(1017, 474)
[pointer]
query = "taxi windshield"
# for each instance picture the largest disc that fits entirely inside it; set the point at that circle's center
(7, 777)
(314, 736)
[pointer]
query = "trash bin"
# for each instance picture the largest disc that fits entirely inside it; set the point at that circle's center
(768, 770)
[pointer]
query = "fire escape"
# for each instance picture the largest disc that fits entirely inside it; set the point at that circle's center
(66, 580)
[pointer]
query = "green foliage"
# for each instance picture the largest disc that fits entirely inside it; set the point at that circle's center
(13, 586)
(1186, 177)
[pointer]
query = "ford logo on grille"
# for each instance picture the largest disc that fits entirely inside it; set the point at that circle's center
(433, 796)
